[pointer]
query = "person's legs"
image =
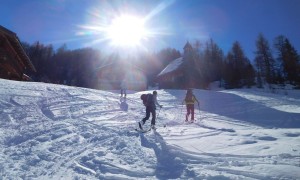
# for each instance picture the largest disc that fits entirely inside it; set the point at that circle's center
(147, 114)
(153, 112)
(141, 123)
(192, 111)
(188, 112)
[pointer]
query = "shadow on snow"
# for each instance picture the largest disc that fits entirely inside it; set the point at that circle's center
(168, 165)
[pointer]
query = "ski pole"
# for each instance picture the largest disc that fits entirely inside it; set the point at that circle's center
(158, 113)
(199, 110)
(182, 107)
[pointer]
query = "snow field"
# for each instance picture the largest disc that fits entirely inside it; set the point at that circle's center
(60, 132)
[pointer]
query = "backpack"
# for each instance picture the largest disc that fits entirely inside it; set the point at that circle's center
(189, 98)
(147, 99)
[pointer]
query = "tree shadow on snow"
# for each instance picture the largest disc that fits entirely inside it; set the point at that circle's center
(168, 165)
(241, 109)
(258, 113)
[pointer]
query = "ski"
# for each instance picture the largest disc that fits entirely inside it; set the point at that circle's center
(140, 126)
(189, 122)
(142, 131)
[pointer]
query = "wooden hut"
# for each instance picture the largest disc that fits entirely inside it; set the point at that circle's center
(177, 74)
(13, 59)
(172, 75)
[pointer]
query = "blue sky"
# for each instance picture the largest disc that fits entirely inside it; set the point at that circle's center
(174, 21)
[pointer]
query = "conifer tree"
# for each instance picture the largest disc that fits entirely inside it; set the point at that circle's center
(237, 69)
(264, 60)
(213, 56)
(289, 59)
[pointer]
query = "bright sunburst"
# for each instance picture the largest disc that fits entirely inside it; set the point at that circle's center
(126, 31)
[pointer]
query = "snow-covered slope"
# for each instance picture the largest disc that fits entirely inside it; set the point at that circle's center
(60, 132)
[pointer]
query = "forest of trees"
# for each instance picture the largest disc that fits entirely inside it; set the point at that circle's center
(233, 70)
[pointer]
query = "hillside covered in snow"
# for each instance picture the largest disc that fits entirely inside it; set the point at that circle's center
(59, 132)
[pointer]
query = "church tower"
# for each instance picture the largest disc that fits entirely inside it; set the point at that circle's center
(189, 67)
(187, 50)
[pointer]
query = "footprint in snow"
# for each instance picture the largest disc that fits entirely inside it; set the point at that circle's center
(292, 134)
(267, 138)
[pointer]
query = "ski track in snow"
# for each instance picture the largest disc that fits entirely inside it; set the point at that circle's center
(59, 132)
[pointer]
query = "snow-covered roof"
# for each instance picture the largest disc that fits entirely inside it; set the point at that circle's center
(174, 65)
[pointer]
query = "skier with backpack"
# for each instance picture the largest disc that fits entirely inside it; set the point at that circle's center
(190, 100)
(150, 102)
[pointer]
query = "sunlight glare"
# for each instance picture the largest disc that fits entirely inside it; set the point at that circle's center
(122, 30)
(126, 31)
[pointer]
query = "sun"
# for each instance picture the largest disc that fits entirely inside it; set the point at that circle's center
(126, 30)
(114, 25)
